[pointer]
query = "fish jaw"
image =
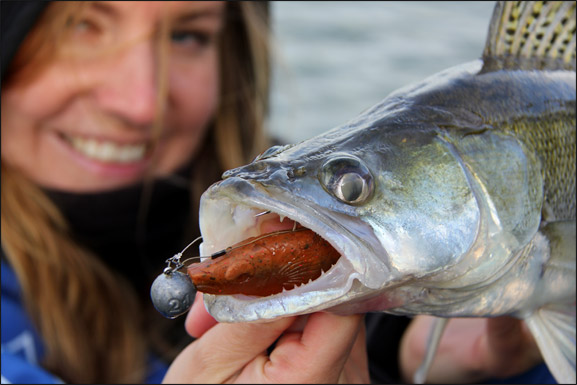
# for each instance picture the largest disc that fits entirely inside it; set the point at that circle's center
(225, 220)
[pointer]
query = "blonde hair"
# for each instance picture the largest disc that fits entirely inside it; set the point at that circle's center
(91, 333)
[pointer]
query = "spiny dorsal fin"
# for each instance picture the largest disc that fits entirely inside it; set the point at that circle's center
(531, 35)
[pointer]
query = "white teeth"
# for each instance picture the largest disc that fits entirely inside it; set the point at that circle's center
(108, 151)
(281, 217)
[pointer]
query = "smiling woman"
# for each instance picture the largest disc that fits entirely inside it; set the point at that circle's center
(92, 119)
(115, 117)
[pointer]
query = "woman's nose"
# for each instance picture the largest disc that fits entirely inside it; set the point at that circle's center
(128, 87)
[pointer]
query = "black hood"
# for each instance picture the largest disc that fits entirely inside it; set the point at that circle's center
(18, 17)
(133, 242)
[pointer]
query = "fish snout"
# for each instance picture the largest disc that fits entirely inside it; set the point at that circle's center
(253, 170)
(263, 171)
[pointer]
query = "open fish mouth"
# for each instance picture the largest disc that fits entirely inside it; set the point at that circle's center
(283, 256)
(225, 222)
(279, 235)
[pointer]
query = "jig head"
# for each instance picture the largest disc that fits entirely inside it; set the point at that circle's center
(173, 292)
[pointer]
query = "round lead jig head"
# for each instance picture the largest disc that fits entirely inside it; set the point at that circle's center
(173, 292)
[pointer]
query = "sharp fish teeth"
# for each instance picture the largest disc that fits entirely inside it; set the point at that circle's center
(107, 151)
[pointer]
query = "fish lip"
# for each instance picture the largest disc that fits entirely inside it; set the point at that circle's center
(222, 200)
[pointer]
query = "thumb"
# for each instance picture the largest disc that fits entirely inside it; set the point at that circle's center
(198, 320)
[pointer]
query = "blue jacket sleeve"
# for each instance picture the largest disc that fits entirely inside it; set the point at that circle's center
(17, 370)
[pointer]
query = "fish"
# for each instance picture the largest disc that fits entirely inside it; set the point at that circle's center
(452, 197)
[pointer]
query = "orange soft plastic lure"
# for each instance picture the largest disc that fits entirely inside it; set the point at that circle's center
(265, 265)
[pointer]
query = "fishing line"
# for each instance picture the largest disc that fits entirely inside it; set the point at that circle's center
(174, 263)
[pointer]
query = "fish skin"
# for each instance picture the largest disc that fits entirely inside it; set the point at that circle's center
(472, 211)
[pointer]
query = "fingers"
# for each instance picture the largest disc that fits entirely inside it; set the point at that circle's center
(318, 354)
(457, 359)
(356, 370)
(412, 347)
(223, 351)
(505, 335)
(509, 346)
(471, 350)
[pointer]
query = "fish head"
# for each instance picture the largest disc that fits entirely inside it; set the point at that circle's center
(396, 204)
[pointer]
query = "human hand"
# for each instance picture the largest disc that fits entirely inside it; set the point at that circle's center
(328, 348)
(470, 350)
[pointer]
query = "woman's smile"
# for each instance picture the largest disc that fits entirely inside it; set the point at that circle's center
(105, 158)
(108, 151)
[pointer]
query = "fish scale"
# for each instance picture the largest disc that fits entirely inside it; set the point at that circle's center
(550, 133)
(553, 138)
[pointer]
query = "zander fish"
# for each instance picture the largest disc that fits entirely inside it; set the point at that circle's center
(453, 197)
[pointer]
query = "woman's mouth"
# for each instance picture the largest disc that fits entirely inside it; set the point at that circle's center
(107, 151)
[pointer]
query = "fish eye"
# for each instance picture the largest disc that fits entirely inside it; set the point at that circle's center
(347, 179)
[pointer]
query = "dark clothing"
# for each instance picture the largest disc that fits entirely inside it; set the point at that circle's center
(384, 332)
(110, 225)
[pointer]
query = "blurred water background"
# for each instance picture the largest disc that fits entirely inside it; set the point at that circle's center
(334, 59)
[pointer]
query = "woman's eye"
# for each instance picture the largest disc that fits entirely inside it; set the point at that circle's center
(86, 35)
(191, 38)
(84, 26)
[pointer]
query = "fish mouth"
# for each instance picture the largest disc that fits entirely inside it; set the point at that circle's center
(226, 220)
(283, 255)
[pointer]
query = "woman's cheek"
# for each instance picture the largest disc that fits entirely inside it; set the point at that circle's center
(194, 89)
(44, 96)
(192, 104)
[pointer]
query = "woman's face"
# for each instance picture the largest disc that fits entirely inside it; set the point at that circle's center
(86, 122)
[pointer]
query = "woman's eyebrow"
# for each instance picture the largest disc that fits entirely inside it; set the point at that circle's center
(208, 13)
(104, 8)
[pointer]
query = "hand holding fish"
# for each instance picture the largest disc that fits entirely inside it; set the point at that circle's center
(237, 353)
(471, 350)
